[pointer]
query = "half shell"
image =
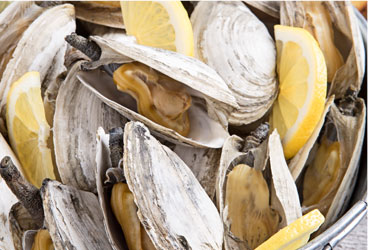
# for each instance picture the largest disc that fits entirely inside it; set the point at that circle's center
(73, 217)
(345, 126)
(75, 131)
(243, 54)
(175, 199)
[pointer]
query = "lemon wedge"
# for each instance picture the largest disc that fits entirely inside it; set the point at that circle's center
(296, 234)
(28, 129)
(302, 74)
(163, 25)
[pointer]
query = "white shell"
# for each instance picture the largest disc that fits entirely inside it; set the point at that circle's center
(172, 206)
(230, 39)
(75, 131)
(73, 218)
(350, 132)
(208, 129)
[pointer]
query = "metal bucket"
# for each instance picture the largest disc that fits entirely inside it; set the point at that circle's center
(358, 203)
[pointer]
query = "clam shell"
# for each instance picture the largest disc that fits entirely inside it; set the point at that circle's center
(28, 239)
(244, 55)
(208, 129)
(20, 221)
(168, 196)
(45, 52)
(73, 217)
(204, 163)
(350, 133)
(348, 41)
(75, 131)
(112, 227)
(283, 191)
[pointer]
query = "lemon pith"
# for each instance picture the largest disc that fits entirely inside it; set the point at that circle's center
(163, 25)
(303, 85)
(28, 129)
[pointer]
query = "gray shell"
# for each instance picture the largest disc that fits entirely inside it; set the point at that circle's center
(75, 131)
(172, 206)
(73, 218)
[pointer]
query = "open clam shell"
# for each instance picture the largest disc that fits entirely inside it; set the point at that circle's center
(73, 217)
(176, 197)
(342, 140)
(244, 55)
(75, 131)
(44, 54)
(346, 39)
(208, 124)
(260, 154)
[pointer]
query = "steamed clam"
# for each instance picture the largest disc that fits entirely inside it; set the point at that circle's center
(177, 197)
(153, 183)
(333, 163)
(208, 125)
(255, 198)
(243, 54)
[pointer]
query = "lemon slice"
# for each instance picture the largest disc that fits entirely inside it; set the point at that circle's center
(296, 234)
(302, 76)
(28, 129)
(163, 25)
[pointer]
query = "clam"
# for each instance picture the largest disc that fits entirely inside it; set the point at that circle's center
(176, 197)
(230, 39)
(256, 194)
(332, 166)
(75, 131)
(208, 123)
(335, 27)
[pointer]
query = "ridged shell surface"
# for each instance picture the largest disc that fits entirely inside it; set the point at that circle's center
(231, 40)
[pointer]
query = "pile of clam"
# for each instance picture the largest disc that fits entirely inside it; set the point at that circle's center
(130, 176)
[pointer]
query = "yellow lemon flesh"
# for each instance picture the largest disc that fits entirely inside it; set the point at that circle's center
(163, 25)
(28, 129)
(302, 76)
(296, 234)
